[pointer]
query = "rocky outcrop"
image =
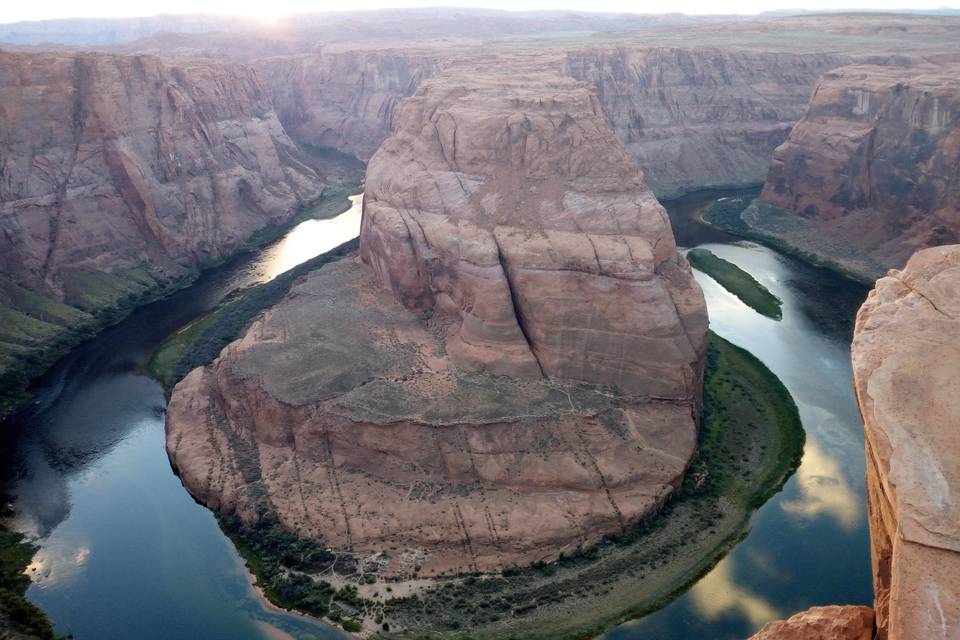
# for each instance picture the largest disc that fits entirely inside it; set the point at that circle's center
(415, 428)
(822, 623)
(518, 218)
(344, 99)
(872, 164)
(694, 118)
(113, 162)
(906, 358)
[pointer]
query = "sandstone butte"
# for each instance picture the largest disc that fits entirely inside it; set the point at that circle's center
(906, 360)
(115, 161)
(513, 370)
(871, 167)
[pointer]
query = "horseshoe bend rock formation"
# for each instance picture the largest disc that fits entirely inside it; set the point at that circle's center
(401, 412)
(906, 360)
(506, 206)
(870, 170)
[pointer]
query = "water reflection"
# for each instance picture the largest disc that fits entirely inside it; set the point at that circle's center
(718, 594)
(124, 551)
(808, 545)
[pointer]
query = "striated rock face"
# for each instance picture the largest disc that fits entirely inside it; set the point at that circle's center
(873, 162)
(417, 430)
(700, 117)
(113, 162)
(906, 359)
(506, 206)
(346, 99)
(822, 623)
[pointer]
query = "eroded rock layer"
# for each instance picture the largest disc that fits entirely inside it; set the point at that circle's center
(506, 206)
(415, 427)
(873, 162)
(112, 161)
(695, 118)
(822, 623)
(906, 360)
(344, 99)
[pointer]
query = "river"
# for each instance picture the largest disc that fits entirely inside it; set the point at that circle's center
(126, 553)
(809, 545)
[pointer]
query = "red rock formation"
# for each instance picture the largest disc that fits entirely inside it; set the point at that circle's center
(694, 118)
(346, 99)
(113, 162)
(906, 361)
(822, 623)
(873, 162)
(518, 217)
(389, 431)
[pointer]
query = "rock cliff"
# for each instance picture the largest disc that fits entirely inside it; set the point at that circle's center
(117, 173)
(111, 161)
(344, 99)
(872, 164)
(519, 219)
(415, 427)
(694, 118)
(906, 357)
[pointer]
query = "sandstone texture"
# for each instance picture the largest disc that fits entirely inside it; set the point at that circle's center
(906, 360)
(694, 118)
(822, 623)
(872, 164)
(344, 99)
(506, 206)
(515, 371)
(116, 161)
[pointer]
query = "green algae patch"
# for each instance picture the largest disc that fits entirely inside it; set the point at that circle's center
(738, 282)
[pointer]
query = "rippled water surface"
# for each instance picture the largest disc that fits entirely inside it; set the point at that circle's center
(124, 551)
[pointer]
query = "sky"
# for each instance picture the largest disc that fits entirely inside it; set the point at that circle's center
(14, 10)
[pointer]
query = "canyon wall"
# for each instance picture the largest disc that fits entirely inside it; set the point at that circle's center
(117, 173)
(700, 117)
(347, 99)
(906, 360)
(872, 166)
(112, 161)
(399, 409)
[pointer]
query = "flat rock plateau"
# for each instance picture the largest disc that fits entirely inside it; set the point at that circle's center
(513, 371)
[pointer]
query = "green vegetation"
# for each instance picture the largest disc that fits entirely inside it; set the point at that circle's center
(17, 614)
(750, 442)
(200, 342)
(726, 214)
(738, 282)
(36, 330)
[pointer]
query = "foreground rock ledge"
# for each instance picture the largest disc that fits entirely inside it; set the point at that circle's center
(822, 623)
(418, 430)
(906, 369)
(906, 365)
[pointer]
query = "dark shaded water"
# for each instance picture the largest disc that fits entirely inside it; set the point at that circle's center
(124, 551)
(809, 545)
